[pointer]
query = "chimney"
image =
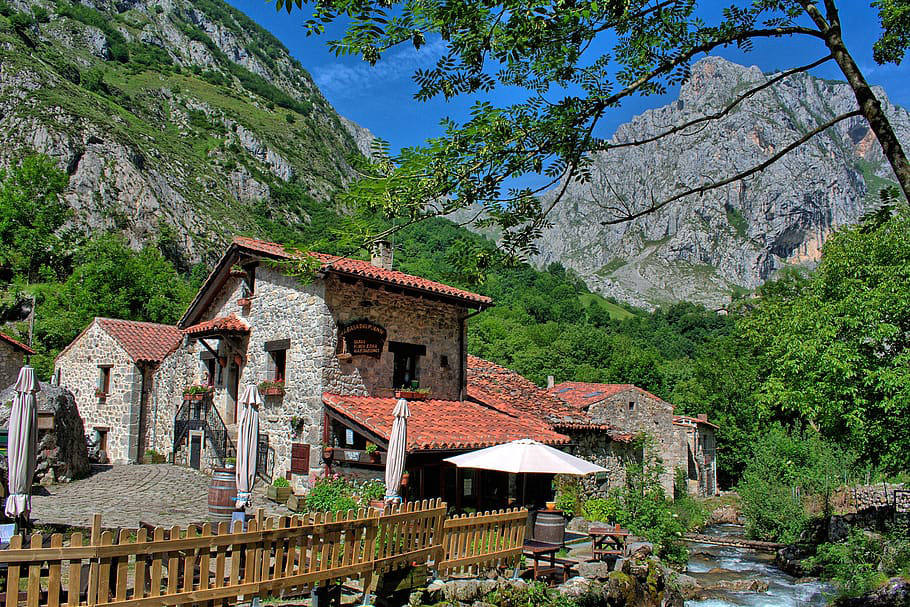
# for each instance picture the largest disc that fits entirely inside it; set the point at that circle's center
(381, 254)
(702, 417)
(550, 382)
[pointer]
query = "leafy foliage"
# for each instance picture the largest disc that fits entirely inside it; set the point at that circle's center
(863, 561)
(32, 246)
(786, 470)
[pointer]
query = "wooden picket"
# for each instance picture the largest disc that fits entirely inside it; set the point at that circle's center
(483, 541)
(218, 565)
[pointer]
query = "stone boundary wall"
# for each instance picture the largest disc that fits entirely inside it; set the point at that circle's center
(856, 499)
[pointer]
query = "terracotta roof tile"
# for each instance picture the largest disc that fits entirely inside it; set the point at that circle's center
(505, 390)
(16, 344)
(143, 341)
(364, 269)
(443, 424)
(582, 394)
(227, 324)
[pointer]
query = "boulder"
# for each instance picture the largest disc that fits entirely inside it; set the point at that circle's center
(893, 593)
(687, 585)
(640, 550)
(594, 571)
(748, 585)
(725, 515)
(574, 587)
(62, 454)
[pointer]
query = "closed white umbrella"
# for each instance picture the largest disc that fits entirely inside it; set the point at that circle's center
(398, 440)
(525, 456)
(247, 445)
(23, 443)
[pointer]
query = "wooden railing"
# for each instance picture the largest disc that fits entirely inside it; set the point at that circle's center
(275, 557)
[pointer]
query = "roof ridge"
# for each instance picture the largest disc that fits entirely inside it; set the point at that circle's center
(138, 322)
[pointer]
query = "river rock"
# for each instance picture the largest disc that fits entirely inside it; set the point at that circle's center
(740, 585)
(640, 550)
(575, 587)
(720, 570)
(687, 585)
(894, 593)
(594, 571)
(725, 515)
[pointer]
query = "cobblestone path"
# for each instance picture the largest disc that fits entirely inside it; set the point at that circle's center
(160, 494)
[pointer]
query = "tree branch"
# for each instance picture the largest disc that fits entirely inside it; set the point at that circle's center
(738, 177)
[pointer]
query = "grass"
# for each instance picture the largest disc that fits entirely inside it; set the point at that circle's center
(617, 312)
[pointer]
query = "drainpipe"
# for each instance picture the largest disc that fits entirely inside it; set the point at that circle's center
(463, 352)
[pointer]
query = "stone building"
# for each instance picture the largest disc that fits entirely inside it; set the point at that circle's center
(682, 444)
(111, 370)
(12, 357)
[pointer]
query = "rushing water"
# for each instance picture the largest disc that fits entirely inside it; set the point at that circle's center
(710, 564)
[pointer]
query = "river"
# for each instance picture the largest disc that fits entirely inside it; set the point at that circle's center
(711, 564)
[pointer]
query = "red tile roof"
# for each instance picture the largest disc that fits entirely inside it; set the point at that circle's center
(685, 420)
(443, 424)
(505, 390)
(143, 341)
(582, 395)
(364, 269)
(16, 344)
(225, 324)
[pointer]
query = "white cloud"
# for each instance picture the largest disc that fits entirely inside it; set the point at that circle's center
(338, 79)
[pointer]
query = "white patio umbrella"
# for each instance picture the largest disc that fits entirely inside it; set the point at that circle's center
(247, 445)
(525, 456)
(23, 443)
(398, 440)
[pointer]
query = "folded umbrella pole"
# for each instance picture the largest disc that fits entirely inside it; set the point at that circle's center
(247, 445)
(23, 444)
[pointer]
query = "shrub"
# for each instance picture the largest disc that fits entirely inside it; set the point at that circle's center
(371, 448)
(862, 561)
(281, 482)
(153, 457)
(371, 490)
(330, 494)
(568, 494)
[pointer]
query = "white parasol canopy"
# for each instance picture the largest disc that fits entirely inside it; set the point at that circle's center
(247, 445)
(23, 443)
(525, 456)
(394, 463)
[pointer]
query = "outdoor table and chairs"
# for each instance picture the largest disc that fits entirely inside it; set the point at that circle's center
(608, 541)
(538, 550)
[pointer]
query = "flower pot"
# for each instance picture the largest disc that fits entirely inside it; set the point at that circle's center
(378, 504)
(272, 391)
(411, 395)
(278, 494)
(244, 302)
(405, 479)
(194, 396)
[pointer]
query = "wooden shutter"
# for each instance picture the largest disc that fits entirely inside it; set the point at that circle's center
(300, 458)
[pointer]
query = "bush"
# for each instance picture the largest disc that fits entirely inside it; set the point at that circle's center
(568, 494)
(785, 472)
(153, 457)
(281, 482)
(330, 494)
(863, 561)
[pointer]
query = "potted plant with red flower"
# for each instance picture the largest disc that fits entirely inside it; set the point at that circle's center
(272, 387)
(196, 391)
(412, 392)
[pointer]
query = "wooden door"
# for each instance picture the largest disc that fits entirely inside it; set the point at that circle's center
(195, 450)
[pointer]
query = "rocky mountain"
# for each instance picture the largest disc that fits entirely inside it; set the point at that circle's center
(706, 248)
(173, 117)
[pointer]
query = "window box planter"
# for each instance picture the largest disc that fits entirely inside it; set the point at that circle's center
(272, 388)
(100, 394)
(295, 503)
(197, 392)
(278, 494)
(195, 395)
(412, 394)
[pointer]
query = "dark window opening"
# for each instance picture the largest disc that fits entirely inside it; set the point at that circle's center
(104, 380)
(406, 367)
(444, 361)
(209, 371)
(278, 355)
(249, 281)
(631, 405)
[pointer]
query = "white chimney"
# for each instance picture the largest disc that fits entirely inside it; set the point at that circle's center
(550, 382)
(381, 255)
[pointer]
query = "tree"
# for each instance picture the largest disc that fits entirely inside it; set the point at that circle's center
(837, 344)
(32, 213)
(555, 51)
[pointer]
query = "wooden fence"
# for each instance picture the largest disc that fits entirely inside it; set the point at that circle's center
(285, 556)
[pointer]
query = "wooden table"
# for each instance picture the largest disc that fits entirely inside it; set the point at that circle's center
(538, 550)
(608, 540)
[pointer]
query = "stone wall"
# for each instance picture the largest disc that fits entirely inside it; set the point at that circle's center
(118, 411)
(597, 447)
(11, 360)
(308, 315)
(700, 463)
(636, 412)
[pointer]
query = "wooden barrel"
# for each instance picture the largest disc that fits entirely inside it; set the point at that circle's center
(550, 526)
(222, 492)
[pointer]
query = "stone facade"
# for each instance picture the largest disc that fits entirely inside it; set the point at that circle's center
(307, 317)
(637, 411)
(11, 360)
(700, 455)
(116, 413)
(599, 448)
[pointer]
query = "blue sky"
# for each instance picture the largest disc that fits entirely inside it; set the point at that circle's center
(381, 97)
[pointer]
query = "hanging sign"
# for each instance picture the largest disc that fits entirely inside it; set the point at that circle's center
(363, 338)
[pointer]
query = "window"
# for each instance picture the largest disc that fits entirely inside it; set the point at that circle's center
(277, 359)
(406, 370)
(208, 362)
(104, 380)
(249, 281)
(444, 361)
(631, 405)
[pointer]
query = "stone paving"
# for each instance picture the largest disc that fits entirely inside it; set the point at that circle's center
(159, 494)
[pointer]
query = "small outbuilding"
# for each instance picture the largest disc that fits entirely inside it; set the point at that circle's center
(12, 357)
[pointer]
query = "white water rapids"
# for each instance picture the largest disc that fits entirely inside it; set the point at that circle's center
(710, 564)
